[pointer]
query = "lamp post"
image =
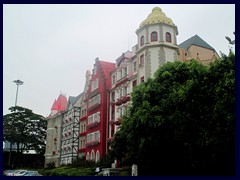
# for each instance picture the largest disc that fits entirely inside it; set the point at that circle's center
(18, 82)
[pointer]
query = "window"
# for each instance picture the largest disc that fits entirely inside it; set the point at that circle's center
(113, 79)
(168, 37)
(124, 91)
(95, 136)
(142, 79)
(83, 143)
(125, 71)
(113, 96)
(141, 60)
(141, 40)
(134, 66)
(120, 92)
(87, 157)
(94, 84)
(154, 36)
(92, 155)
(95, 100)
(134, 83)
(97, 157)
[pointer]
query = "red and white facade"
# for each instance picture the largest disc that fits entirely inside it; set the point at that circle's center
(97, 110)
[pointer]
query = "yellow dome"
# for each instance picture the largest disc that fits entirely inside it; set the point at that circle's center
(155, 17)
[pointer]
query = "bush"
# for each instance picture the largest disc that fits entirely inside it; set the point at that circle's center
(50, 165)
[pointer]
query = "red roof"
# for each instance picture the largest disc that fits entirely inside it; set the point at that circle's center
(54, 106)
(107, 67)
(60, 104)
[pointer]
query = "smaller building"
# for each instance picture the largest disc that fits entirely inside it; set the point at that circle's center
(70, 130)
(54, 124)
(196, 48)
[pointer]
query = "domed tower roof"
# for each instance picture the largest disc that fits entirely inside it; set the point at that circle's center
(156, 16)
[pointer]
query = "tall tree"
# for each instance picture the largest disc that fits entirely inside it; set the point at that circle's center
(25, 128)
(182, 121)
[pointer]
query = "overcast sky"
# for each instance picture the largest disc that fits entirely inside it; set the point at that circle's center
(50, 47)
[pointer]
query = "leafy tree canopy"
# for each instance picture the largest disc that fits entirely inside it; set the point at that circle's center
(25, 128)
(182, 120)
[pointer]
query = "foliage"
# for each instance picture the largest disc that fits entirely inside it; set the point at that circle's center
(82, 162)
(50, 165)
(67, 171)
(25, 128)
(182, 121)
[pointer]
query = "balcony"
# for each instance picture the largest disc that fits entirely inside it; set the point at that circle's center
(93, 143)
(125, 98)
(121, 81)
(119, 102)
(92, 125)
(82, 134)
(94, 107)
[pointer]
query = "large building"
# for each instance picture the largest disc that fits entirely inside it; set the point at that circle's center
(196, 48)
(97, 110)
(86, 124)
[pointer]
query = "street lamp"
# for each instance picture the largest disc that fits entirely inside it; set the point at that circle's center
(18, 82)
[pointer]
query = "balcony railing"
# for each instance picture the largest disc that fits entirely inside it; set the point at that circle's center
(119, 102)
(82, 133)
(94, 107)
(92, 125)
(93, 143)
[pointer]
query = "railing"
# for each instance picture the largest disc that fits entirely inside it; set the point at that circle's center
(93, 143)
(92, 125)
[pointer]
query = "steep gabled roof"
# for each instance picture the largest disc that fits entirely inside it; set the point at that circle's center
(61, 103)
(127, 55)
(107, 67)
(54, 106)
(195, 40)
(73, 99)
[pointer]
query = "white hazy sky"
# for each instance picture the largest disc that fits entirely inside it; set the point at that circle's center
(50, 47)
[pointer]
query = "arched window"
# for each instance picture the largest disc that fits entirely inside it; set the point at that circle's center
(87, 157)
(168, 37)
(141, 40)
(154, 36)
(97, 156)
(92, 155)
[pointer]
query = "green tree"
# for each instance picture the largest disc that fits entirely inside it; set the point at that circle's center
(25, 128)
(182, 121)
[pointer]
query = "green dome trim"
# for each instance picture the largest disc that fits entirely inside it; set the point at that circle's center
(155, 17)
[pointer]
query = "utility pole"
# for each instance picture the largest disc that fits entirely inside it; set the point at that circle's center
(18, 82)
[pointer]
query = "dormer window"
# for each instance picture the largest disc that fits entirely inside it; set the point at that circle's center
(154, 36)
(168, 37)
(141, 40)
